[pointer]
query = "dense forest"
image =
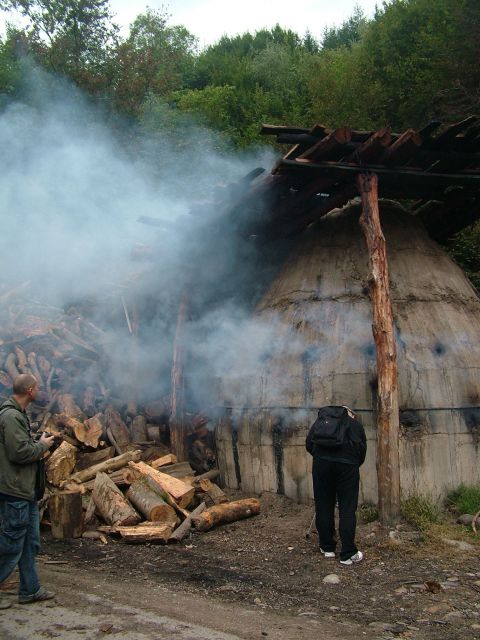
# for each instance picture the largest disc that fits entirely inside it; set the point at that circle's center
(413, 61)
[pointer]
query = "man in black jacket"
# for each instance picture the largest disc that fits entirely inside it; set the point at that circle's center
(336, 476)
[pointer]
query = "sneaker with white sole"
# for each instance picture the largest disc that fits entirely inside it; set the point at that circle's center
(327, 554)
(357, 557)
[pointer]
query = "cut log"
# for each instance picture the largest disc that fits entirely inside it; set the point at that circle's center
(67, 405)
(111, 503)
(163, 461)
(11, 366)
(85, 460)
(139, 429)
(142, 533)
(177, 470)
(22, 360)
(108, 465)
(66, 515)
(5, 380)
(209, 492)
(182, 531)
(32, 361)
(92, 431)
(119, 429)
(88, 432)
(150, 504)
(119, 477)
(180, 492)
(228, 512)
(89, 511)
(61, 463)
(211, 475)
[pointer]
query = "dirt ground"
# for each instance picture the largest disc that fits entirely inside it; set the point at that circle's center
(263, 577)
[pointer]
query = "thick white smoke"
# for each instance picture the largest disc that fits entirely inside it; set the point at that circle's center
(71, 196)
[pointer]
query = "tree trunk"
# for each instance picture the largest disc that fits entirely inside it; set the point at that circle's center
(388, 464)
(66, 515)
(108, 465)
(150, 504)
(228, 512)
(181, 493)
(178, 431)
(60, 464)
(112, 504)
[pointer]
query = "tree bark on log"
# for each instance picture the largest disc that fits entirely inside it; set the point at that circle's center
(228, 512)
(108, 465)
(119, 429)
(181, 493)
(184, 529)
(388, 463)
(210, 492)
(61, 463)
(178, 431)
(66, 515)
(112, 504)
(86, 460)
(150, 504)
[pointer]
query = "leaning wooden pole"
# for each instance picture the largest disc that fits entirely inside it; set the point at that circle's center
(178, 430)
(388, 464)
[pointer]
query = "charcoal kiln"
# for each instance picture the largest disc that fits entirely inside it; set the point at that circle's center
(322, 352)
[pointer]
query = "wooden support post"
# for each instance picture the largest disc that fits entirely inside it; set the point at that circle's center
(177, 417)
(388, 465)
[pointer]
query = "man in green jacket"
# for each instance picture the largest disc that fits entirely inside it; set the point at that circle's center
(19, 517)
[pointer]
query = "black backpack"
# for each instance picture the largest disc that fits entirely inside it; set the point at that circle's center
(330, 428)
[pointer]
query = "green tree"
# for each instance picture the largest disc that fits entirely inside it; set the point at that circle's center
(349, 32)
(72, 37)
(155, 59)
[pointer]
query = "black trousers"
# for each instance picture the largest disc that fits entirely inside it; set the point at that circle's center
(332, 481)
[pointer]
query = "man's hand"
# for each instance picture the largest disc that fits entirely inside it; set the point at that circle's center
(47, 440)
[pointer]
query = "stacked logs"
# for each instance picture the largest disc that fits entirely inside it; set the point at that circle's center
(110, 469)
(141, 501)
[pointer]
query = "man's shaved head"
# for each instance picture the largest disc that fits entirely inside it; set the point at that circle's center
(23, 383)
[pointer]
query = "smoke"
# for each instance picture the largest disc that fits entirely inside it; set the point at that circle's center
(71, 196)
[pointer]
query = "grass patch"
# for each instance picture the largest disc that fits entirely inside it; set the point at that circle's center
(367, 513)
(465, 499)
(421, 512)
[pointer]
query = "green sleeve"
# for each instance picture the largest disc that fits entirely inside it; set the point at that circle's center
(19, 445)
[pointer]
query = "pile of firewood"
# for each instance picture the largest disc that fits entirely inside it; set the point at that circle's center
(139, 501)
(110, 470)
